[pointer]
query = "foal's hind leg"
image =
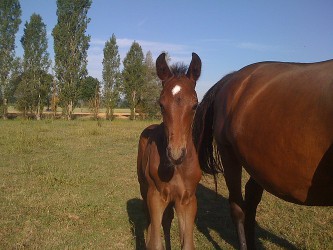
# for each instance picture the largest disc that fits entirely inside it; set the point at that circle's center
(253, 194)
(233, 176)
(166, 223)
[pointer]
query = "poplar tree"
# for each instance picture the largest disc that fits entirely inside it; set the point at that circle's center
(36, 64)
(111, 75)
(15, 78)
(133, 77)
(70, 46)
(10, 19)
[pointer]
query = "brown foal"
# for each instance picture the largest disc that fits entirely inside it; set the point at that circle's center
(167, 164)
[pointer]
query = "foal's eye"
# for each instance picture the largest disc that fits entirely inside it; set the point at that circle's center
(162, 108)
(195, 106)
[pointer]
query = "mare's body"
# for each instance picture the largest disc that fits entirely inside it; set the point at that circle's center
(276, 120)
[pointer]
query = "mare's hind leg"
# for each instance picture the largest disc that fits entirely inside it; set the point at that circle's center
(253, 194)
(166, 223)
(233, 178)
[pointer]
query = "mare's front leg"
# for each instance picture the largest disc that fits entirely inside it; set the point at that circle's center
(253, 194)
(156, 206)
(186, 210)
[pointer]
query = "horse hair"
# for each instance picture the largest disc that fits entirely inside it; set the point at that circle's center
(179, 69)
(209, 157)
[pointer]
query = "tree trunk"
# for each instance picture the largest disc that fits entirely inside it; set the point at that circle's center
(96, 108)
(133, 105)
(4, 85)
(70, 111)
(38, 115)
(5, 109)
(109, 110)
(54, 110)
(25, 113)
(54, 96)
(111, 114)
(4, 101)
(107, 113)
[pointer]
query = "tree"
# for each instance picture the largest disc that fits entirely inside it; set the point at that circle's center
(88, 88)
(36, 64)
(70, 47)
(151, 89)
(28, 97)
(10, 13)
(133, 76)
(111, 75)
(15, 78)
(23, 95)
(90, 93)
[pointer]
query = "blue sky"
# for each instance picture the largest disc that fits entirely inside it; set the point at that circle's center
(226, 34)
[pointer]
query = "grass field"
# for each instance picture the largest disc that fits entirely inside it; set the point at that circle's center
(73, 185)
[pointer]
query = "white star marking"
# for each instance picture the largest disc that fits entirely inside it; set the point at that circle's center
(176, 90)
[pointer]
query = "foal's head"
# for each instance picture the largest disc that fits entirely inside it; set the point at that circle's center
(178, 101)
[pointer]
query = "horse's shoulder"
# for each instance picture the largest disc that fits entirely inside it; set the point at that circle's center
(149, 131)
(153, 137)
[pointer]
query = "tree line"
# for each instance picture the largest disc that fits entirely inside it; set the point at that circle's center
(28, 84)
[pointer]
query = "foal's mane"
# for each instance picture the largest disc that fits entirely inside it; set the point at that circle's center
(178, 69)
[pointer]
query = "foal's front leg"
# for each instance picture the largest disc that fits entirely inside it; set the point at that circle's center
(186, 211)
(156, 206)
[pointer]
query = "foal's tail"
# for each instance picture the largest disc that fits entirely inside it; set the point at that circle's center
(209, 157)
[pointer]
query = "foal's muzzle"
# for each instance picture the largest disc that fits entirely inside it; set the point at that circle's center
(176, 156)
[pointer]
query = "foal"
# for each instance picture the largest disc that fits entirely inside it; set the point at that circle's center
(167, 163)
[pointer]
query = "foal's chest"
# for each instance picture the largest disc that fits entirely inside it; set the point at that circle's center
(180, 188)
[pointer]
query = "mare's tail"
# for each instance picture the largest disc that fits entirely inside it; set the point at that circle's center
(209, 157)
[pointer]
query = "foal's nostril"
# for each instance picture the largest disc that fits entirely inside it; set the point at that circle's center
(168, 151)
(183, 153)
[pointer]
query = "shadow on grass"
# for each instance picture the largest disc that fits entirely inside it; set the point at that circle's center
(138, 220)
(213, 215)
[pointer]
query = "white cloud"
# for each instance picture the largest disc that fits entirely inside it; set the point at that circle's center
(97, 42)
(178, 52)
(146, 45)
(95, 65)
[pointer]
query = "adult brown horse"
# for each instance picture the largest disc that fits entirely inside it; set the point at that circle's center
(168, 167)
(276, 120)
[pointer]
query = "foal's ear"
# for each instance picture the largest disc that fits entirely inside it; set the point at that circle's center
(194, 70)
(162, 68)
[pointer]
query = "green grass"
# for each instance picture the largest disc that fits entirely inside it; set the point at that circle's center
(73, 185)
